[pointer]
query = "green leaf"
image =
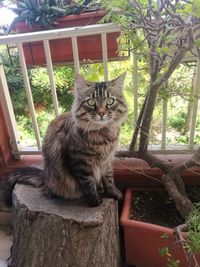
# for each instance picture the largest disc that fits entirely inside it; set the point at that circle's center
(173, 263)
(165, 236)
(164, 251)
(196, 8)
(188, 9)
(165, 50)
(197, 42)
(57, 10)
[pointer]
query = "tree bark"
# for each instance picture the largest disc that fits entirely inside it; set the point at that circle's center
(137, 127)
(61, 233)
(189, 108)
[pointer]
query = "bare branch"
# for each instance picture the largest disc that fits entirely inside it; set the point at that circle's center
(173, 15)
(182, 202)
(137, 127)
(126, 154)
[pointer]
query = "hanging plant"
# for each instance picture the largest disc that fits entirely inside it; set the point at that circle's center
(44, 12)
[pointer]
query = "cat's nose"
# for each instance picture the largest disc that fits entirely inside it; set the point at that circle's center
(101, 112)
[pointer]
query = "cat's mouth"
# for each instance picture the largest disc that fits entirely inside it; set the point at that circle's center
(102, 120)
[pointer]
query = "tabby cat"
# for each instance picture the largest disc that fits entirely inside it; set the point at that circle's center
(78, 146)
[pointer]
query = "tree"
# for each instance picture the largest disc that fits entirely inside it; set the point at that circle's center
(163, 31)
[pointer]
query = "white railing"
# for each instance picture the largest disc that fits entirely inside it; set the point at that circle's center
(163, 147)
(73, 33)
(45, 37)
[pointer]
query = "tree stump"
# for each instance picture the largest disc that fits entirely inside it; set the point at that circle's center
(62, 233)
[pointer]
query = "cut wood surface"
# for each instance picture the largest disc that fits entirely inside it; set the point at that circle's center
(56, 232)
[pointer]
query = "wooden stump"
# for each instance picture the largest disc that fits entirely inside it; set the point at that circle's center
(61, 233)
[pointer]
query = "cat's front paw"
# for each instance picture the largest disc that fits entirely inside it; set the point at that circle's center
(100, 190)
(94, 201)
(115, 193)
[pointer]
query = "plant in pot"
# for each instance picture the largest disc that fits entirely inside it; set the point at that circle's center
(152, 224)
(49, 14)
(162, 32)
(43, 14)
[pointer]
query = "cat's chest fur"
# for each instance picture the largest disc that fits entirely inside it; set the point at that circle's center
(102, 143)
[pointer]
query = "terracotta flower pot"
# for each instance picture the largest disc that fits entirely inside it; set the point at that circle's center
(143, 241)
(61, 50)
(133, 172)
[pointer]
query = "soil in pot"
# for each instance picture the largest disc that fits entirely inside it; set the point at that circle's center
(157, 207)
(148, 234)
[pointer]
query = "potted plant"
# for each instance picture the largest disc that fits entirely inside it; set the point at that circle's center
(150, 244)
(47, 14)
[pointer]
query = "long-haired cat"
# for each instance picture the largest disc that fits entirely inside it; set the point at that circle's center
(79, 146)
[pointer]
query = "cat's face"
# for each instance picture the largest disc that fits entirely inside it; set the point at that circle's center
(99, 104)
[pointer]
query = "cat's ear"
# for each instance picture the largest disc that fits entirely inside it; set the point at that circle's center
(81, 82)
(120, 80)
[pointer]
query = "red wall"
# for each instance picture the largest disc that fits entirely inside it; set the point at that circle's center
(5, 148)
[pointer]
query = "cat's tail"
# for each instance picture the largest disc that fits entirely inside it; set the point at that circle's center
(27, 175)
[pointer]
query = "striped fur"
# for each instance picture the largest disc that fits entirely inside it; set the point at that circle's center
(78, 146)
(33, 176)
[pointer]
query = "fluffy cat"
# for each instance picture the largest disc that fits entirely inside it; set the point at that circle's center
(78, 146)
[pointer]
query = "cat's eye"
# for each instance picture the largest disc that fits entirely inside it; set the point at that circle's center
(91, 102)
(110, 101)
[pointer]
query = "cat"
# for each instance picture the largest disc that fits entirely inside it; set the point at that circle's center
(79, 146)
